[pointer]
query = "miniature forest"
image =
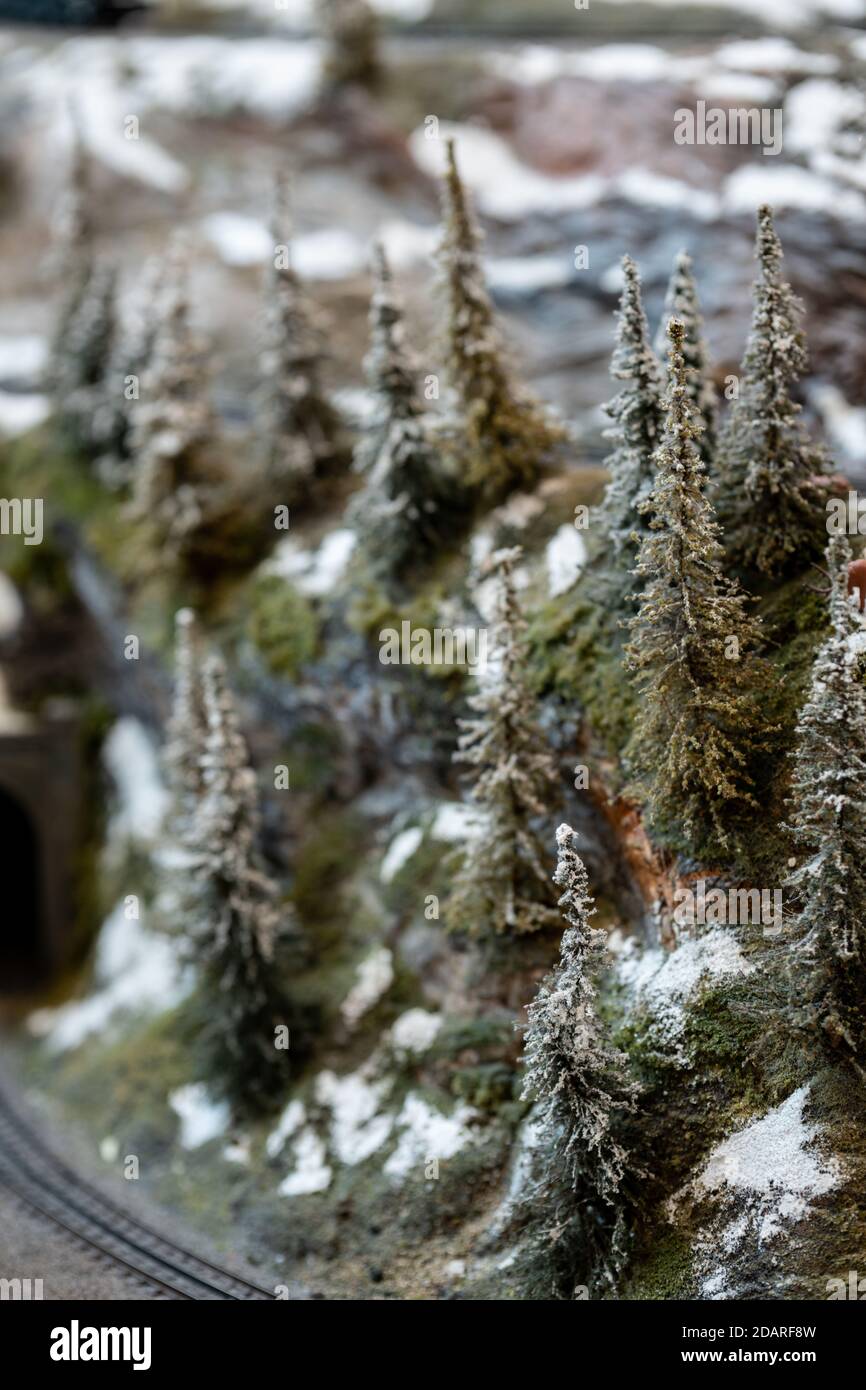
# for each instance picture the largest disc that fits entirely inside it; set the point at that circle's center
(487, 938)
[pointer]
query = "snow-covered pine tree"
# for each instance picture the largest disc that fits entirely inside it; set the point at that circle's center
(637, 411)
(129, 364)
(399, 512)
(74, 268)
(89, 343)
(681, 302)
(828, 823)
(351, 30)
(302, 431)
(505, 432)
(771, 510)
(572, 1069)
(186, 730)
(174, 425)
(236, 923)
(692, 646)
(503, 883)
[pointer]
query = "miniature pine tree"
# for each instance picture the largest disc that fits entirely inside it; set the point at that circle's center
(828, 797)
(187, 728)
(399, 512)
(681, 302)
(351, 30)
(237, 921)
(129, 364)
(692, 645)
(770, 507)
(302, 430)
(637, 410)
(503, 884)
(90, 338)
(174, 425)
(75, 263)
(507, 433)
(571, 1068)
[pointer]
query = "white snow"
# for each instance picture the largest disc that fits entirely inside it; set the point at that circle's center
(399, 852)
(314, 573)
(11, 608)
(109, 1148)
(374, 978)
(22, 357)
(237, 1151)
(407, 244)
(239, 240)
(310, 1173)
(528, 274)
(22, 412)
(131, 760)
(134, 971)
(764, 1176)
(773, 54)
(815, 110)
(455, 821)
(788, 186)
(293, 1116)
(565, 557)
(415, 1031)
(201, 1117)
(772, 13)
(357, 1127)
(427, 1134)
(663, 980)
(846, 424)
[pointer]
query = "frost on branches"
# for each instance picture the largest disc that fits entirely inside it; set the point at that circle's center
(503, 884)
(399, 512)
(691, 649)
(637, 411)
(681, 302)
(173, 437)
(506, 432)
(769, 504)
(186, 729)
(828, 797)
(579, 1079)
(302, 431)
(237, 920)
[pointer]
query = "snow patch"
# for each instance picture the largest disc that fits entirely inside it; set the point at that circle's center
(663, 981)
(23, 357)
(357, 1127)
(455, 822)
(399, 852)
(565, 557)
(787, 186)
(11, 608)
(310, 1173)
(291, 1119)
(20, 413)
(415, 1031)
(427, 1134)
(201, 1117)
(375, 976)
(134, 972)
(131, 760)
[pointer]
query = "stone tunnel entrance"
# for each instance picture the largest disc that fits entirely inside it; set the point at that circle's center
(22, 946)
(40, 832)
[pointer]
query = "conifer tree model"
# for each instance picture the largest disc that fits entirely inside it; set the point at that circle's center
(578, 1077)
(186, 730)
(692, 645)
(303, 432)
(399, 512)
(89, 343)
(637, 411)
(503, 885)
(175, 427)
(128, 366)
(237, 921)
(770, 508)
(828, 800)
(75, 268)
(507, 433)
(681, 302)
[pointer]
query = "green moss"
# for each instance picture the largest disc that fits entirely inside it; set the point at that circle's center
(488, 1086)
(281, 625)
(664, 1272)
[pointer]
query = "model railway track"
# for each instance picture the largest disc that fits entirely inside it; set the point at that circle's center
(44, 1183)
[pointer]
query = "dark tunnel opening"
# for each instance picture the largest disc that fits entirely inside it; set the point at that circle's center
(22, 955)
